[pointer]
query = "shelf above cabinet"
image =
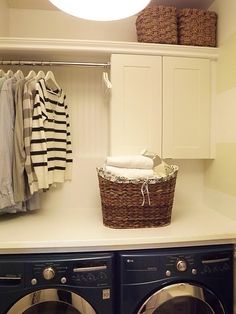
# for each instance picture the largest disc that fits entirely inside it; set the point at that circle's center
(67, 49)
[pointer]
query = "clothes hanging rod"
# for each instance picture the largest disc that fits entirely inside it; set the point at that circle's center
(54, 63)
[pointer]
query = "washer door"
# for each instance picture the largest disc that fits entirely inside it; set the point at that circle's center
(182, 298)
(52, 301)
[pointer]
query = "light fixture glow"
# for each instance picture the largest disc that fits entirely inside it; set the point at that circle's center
(101, 10)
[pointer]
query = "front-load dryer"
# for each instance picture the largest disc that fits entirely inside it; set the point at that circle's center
(196, 280)
(56, 283)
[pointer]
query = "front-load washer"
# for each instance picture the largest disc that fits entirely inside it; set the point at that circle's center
(196, 280)
(75, 283)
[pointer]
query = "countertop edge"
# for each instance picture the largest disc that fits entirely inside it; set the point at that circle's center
(62, 248)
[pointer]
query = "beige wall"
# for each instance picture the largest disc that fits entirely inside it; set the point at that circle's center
(221, 173)
(4, 18)
(55, 24)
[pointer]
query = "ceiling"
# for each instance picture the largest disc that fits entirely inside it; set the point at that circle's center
(46, 5)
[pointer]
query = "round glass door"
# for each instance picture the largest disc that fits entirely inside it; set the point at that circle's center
(52, 301)
(182, 298)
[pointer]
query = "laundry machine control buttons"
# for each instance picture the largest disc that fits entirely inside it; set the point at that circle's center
(102, 276)
(48, 273)
(168, 273)
(181, 265)
(63, 280)
(90, 277)
(34, 281)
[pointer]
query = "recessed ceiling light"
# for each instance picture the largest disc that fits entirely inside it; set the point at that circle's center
(101, 10)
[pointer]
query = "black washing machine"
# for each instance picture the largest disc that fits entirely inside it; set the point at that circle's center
(197, 280)
(56, 283)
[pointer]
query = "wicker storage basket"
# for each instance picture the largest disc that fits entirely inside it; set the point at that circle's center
(197, 27)
(157, 24)
(137, 204)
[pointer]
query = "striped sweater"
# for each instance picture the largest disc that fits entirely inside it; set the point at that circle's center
(51, 151)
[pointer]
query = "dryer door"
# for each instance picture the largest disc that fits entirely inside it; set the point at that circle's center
(182, 298)
(52, 301)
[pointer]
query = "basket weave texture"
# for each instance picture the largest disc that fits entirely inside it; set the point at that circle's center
(129, 205)
(157, 24)
(197, 27)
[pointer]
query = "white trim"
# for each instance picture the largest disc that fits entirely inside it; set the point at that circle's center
(100, 48)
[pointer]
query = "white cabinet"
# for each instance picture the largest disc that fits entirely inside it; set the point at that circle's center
(161, 104)
(135, 113)
(186, 108)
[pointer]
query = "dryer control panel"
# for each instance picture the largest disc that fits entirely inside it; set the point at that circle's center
(184, 263)
(214, 264)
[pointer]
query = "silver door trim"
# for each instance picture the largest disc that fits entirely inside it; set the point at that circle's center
(176, 290)
(51, 295)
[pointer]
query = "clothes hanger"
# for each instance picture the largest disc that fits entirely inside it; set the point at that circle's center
(9, 73)
(19, 75)
(31, 75)
(106, 80)
(51, 81)
(40, 75)
(2, 73)
(106, 86)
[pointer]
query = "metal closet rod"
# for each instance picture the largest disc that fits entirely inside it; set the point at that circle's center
(52, 63)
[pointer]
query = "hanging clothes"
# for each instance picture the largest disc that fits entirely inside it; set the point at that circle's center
(35, 149)
(7, 120)
(51, 150)
(28, 104)
(19, 183)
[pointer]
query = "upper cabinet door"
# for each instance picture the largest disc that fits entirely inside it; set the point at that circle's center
(186, 107)
(136, 104)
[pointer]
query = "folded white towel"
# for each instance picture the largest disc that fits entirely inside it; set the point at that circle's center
(130, 173)
(135, 161)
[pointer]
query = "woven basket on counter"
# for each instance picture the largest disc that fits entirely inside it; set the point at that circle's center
(157, 24)
(197, 27)
(137, 204)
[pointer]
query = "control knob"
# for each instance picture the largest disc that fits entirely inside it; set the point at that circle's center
(181, 265)
(48, 273)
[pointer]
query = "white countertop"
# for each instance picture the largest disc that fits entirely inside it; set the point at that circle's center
(83, 230)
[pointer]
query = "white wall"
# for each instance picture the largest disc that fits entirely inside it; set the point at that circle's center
(89, 112)
(4, 18)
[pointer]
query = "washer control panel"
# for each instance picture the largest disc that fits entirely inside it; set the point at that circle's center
(90, 274)
(46, 270)
(77, 273)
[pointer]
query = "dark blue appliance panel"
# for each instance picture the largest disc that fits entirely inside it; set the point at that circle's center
(90, 275)
(142, 273)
